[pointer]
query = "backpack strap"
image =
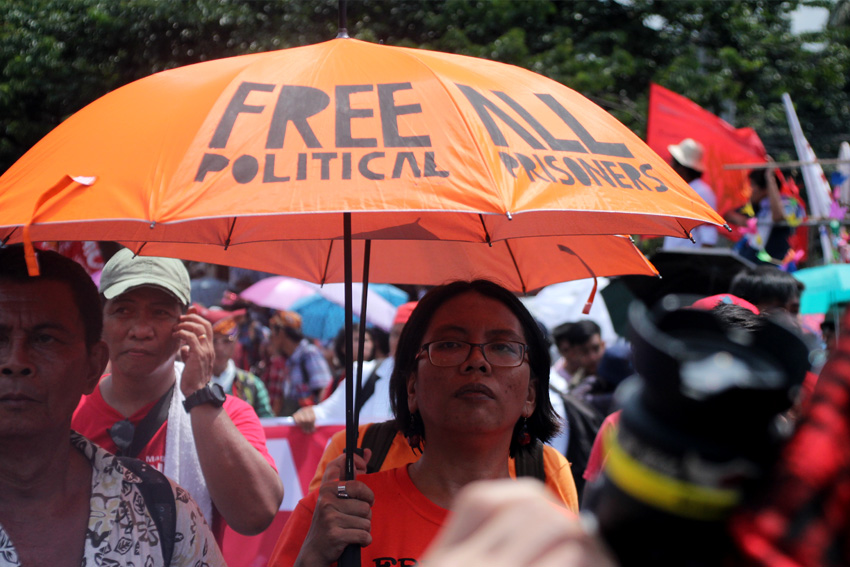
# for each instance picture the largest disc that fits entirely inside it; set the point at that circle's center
(159, 500)
(378, 437)
(529, 461)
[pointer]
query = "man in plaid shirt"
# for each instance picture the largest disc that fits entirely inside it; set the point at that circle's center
(306, 372)
(803, 518)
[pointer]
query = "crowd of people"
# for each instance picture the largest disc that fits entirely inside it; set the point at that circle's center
(129, 426)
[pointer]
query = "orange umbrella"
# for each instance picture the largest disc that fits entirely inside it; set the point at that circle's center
(275, 146)
(276, 160)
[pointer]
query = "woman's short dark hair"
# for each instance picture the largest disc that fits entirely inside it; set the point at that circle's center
(56, 267)
(542, 424)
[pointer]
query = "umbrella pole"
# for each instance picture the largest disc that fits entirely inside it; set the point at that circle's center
(351, 554)
(364, 296)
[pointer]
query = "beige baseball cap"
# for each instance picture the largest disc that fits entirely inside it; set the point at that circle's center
(126, 271)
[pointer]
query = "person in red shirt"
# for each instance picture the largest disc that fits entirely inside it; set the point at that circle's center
(165, 411)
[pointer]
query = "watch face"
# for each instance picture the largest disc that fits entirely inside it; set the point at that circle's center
(217, 392)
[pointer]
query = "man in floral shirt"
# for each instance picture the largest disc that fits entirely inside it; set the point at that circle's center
(63, 500)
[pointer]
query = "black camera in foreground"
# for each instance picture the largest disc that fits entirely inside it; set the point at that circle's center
(701, 424)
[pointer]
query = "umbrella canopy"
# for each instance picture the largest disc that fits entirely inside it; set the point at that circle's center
(323, 313)
(278, 292)
(417, 145)
(825, 287)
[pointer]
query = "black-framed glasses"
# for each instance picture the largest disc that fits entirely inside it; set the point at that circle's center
(454, 353)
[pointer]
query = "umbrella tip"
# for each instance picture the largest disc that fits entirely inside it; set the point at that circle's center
(342, 34)
(727, 227)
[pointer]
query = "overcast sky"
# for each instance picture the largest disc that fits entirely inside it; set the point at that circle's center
(808, 19)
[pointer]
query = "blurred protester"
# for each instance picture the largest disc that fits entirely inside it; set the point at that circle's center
(306, 371)
(63, 499)
(209, 283)
(581, 347)
(233, 380)
(688, 160)
(338, 363)
(374, 401)
(469, 390)
(251, 352)
(768, 288)
(774, 216)
(169, 413)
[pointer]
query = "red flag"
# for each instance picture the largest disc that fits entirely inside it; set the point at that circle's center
(673, 118)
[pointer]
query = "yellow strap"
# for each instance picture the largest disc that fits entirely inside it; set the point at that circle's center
(675, 496)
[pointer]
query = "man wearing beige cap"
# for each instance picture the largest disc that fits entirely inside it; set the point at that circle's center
(158, 403)
(689, 162)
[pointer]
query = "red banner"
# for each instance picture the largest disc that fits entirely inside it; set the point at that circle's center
(672, 118)
(296, 455)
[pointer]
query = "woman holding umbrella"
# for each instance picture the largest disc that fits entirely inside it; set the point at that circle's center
(471, 377)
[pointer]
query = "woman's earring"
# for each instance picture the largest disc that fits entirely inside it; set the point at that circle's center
(414, 438)
(524, 437)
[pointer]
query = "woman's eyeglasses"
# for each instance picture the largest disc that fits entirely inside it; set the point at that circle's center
(454, 353)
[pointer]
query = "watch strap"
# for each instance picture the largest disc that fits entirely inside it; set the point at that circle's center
(203, 396)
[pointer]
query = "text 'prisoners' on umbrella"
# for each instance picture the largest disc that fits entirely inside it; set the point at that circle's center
(297, 105)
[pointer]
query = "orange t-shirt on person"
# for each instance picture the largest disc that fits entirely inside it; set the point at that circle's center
(559, 477)
(404, 522)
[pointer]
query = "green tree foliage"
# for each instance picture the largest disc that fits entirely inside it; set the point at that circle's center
(733, 58)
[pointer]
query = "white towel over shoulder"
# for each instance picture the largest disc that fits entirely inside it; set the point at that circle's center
(181, 456)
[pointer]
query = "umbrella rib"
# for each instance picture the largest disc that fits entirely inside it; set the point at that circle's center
(230, 234)
(463, 120)
(8, 236)
(687, 234)
(486, 232)
(324, 278)
(516, 267)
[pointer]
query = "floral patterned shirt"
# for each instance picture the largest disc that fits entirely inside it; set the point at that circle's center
(121, 531)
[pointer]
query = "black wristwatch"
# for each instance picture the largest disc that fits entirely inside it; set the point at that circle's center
(212, 394)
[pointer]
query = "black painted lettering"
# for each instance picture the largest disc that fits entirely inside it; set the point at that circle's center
(301, 172)
(529, 166)
(296, 104)
(543, 168)
(634, 175)
(509, 162)
(407, 562)
(408, 157)
(211, 163)
(389, 118)
(580, 174)
(484, 107)
(269, 175)
(613, 149)
(551, 162)
(384, 562)
(363, 166)
(245, 169)
(345, 114)
(554, 143)
(346, 165)
(645, 169)
(593, 170)
(431, 166)
(235, 107)
(325, 158)
(610, 166)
